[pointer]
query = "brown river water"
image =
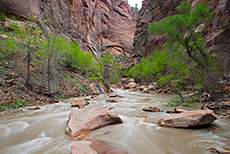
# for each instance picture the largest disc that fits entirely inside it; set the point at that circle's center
(43, 131)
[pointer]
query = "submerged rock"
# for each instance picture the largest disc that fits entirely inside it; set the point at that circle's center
(33, 108)
(151, 109)
(83, 121)
(189, 119)
(92, 146)
(111, 101)
(114, 96)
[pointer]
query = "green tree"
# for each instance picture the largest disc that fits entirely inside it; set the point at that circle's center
(106, 70)
(184, 29)
(28, 42)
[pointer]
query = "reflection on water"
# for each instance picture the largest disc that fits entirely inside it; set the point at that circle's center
(43, 131)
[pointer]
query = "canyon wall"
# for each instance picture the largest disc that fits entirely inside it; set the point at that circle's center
(96, 25)
(216, 31)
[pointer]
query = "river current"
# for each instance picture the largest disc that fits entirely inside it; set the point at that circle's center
(43, 131)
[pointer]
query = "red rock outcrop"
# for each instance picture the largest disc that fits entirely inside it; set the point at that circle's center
(189, 119)
(93, 146)
(83, 121)
(96, 25)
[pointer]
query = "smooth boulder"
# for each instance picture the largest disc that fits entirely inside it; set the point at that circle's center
(92, 146)
(187, 119)
(83, 121)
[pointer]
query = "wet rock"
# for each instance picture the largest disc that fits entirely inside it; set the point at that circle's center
(151, 109)
(80, 102)
(149, 121)
(220, 107)
(168, 90)
(111, 101)
(212, 128)
(143, 116)
(220, 151)
(93, 146)
(176, 110)
(114, 96)
(1, 113)
(179, 110)
(151, 87)
(130, 85)
(88, 98)
(127, 80)
(33, 108)
(228, 112)
(187, 119)
(116, 86)
(141, 87)
(83, 121)
(97, 88)
(145, 90)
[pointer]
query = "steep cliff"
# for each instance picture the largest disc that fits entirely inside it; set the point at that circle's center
(217, 31)
(144, 42)
(96, 25)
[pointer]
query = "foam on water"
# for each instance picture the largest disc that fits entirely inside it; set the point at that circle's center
(43, 131)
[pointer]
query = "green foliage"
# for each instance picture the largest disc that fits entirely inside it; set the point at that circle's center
(107, 70)
(74, 57)
(183, 28)
(14, 104)
(177, 101)
(2, 16)
(165, 66)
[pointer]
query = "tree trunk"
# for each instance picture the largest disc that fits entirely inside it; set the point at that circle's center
(28, 69)
(49, 59)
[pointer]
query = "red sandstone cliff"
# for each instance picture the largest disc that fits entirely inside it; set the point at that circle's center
(217, 31)
(96, 25)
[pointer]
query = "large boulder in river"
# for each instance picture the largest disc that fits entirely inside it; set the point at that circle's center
(83, 121)
(189, 119)
(93, 146)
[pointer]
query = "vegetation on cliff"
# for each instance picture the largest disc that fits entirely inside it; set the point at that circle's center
(36, 64)
(184, 63)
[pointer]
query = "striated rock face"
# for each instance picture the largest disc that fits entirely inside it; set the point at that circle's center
(97, 25)
(82, 121)
(217, 31)
(93, 146)
(144, 43)
(189, 119)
